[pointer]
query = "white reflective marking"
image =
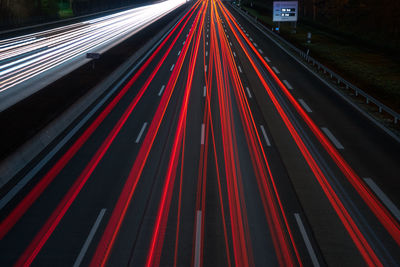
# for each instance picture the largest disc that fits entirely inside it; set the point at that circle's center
(206, 68)
(197, 247)
(204, 91)
(265, 135)
(172, 67)
(206, 53)
(179, 52)
(383, 197)
(255, 45)
(251, 39)
(240, 69)
(161, 90)
(309, 247)
(267, 59)
(276, 70)
(259, 50)
(92, 232)
(305, 106)
(333, 139)
(202, 134)
(287, 84)
(206, 43)
(141, 133)
(248, 91)
(234, 54)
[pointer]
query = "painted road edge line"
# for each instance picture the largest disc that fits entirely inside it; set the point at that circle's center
(333, 139)
(309, 247)
(92, 232)
(383, 197)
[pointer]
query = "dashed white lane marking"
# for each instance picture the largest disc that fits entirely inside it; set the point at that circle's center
(333, 139)
(92, 232)
(141, 133)
(206, 53)
(251, 39)
(179, 52)
(234, 54)
(204, 91)
(287, 84)
(383, 197)
(265, 135)
(205, 68)
(267, 59)
(230, 43)
(183, 43)
(161, 90)
(305, 106)
(206, 43)
(276, 70)
(255, 44)
(248, 91)
(207, 35)
(259, 50)
(172, 67)
(240, 69)
(309, 247)
(197, 246)
(202, 134)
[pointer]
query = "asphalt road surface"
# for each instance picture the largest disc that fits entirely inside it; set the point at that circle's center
(220, 150)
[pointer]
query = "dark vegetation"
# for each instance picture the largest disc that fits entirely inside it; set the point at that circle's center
(359, 39)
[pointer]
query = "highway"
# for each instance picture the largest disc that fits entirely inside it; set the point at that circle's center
(220, 150)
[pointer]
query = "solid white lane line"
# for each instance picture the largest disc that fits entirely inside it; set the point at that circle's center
(259, 50)
(172, 67)
(309, 247)
(141, 133)
(204, 91)
(240, 69)
(234, 54)
(92, 232)
(384, 198)
(197, 245)
(248, 91)
(333, 139)
(287, 85)
(202, 134)
(179, 52)
(305, 106)
(161, 90)
(265, 135)
(276, 70)
(267, 59)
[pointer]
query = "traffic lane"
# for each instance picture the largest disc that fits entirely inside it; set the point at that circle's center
(154, 175)
(323, 220)
(288, 197)
(378, 237)
(367, 148)
(55, 190)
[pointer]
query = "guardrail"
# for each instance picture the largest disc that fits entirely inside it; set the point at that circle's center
(334, 76)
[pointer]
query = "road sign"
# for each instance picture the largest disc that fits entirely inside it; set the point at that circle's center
(285, 11)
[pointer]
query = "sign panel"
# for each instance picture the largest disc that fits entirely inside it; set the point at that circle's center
(285, 11)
